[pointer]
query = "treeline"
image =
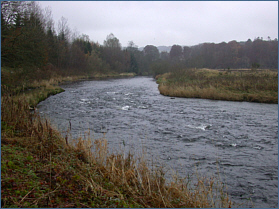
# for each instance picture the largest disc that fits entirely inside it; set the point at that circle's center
(31, 43)
(229, 55)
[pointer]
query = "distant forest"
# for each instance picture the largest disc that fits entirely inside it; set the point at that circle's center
(30, 41)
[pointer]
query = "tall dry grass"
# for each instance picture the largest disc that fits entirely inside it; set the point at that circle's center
(239, 85)
(132, 176)
(99, 173)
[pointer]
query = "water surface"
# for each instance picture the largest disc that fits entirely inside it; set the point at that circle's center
(236, 140)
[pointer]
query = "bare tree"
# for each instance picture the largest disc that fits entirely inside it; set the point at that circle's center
(63, 29)
(112, 42)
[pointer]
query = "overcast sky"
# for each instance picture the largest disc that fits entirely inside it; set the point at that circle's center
(169, 22)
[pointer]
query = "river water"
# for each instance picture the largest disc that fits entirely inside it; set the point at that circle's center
(236, 140)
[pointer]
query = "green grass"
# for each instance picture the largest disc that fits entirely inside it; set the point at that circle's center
(241, 85)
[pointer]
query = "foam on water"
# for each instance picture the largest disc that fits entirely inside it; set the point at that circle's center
(111, 92)
(202, 126)
(125, 107)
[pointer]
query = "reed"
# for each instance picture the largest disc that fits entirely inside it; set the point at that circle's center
(42, 168)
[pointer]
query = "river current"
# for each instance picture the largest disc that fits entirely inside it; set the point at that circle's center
(236, 140)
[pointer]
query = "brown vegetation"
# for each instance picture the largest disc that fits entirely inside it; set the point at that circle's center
(41, 168)
(240, 85)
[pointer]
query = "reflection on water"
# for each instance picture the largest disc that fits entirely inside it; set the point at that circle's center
(238, 140)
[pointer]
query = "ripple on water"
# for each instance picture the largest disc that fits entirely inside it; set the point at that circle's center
(238, 138)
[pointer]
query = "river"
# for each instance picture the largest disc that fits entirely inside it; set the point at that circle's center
(237, 141)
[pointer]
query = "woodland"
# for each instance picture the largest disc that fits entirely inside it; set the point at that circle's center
(32, 45)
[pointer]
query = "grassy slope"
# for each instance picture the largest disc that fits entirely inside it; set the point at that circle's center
(247, 85)
(42, 168)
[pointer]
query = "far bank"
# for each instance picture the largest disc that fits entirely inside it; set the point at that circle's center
(229, 85)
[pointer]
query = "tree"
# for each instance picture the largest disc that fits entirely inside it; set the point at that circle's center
(63, 43)
(112, 42)
(151, 52)
(83, 43)
(63, 30)
(176, 52)
(52, 46)
(12, 17)
(23, 38)
(132, 47)
(150, 55)
(33, 41)
(77, 56)
(12, 10)
(164, 55)
(135, 54)
(113, 54)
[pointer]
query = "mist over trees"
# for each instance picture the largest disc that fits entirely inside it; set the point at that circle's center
(31, 43)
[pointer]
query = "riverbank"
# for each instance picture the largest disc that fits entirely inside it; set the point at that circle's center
(38, 88)
(42, 168)
(231, 85)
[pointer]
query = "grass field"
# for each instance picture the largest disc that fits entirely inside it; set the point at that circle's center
(234, 85)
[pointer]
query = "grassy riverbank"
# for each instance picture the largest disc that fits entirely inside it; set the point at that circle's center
(234, 85)
(37, 88)
(42, 168)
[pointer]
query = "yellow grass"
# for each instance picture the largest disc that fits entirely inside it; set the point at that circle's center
(240, 85)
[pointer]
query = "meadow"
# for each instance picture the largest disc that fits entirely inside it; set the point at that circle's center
(231, 85)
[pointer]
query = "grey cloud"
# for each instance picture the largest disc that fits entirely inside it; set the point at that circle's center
(168, 22)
